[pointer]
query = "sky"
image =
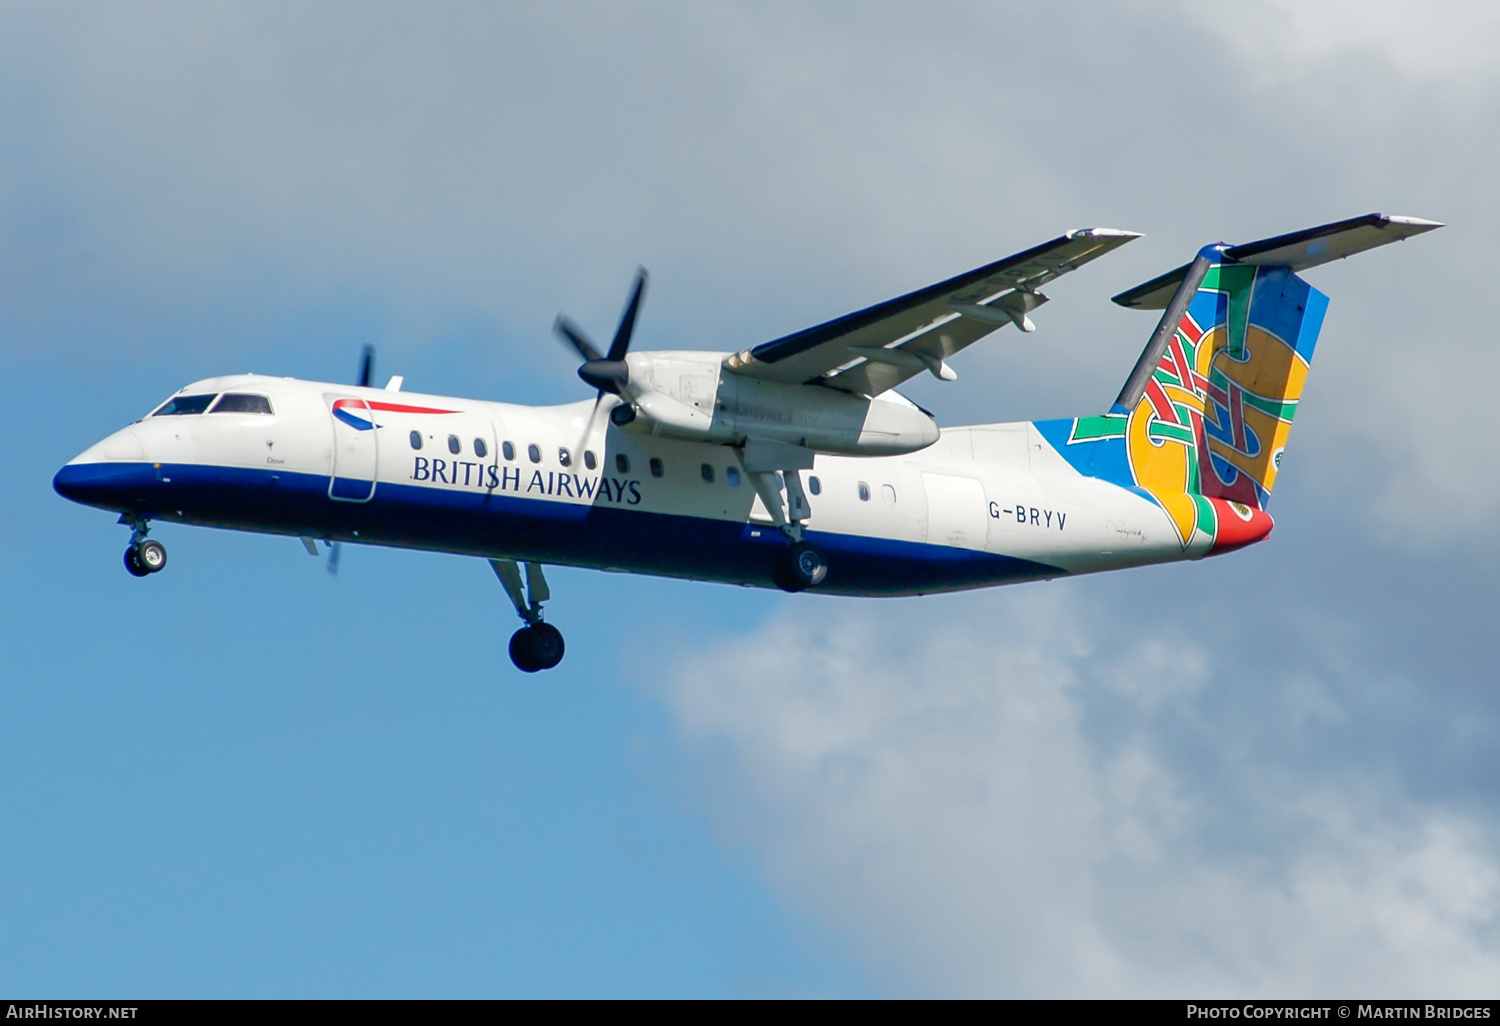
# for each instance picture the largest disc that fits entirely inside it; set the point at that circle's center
(1268, 774)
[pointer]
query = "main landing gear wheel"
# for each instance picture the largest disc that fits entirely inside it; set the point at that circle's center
(802, 567)
(147, 557)
(536, 647)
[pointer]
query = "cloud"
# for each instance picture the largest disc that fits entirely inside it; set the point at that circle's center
(1010, 794)
(1442, 39)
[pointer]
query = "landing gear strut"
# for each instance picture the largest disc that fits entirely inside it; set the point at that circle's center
(144, 555)
(538, 645)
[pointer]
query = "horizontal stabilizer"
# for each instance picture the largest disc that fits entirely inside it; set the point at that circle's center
(1297, 251)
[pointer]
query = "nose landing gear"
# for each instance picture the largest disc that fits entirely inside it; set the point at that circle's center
(144, 556)
(538, 645)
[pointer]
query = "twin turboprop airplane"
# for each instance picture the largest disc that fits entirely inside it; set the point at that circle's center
(794, 464)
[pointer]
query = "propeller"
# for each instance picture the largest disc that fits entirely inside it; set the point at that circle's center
(366, 372)
(607, 372)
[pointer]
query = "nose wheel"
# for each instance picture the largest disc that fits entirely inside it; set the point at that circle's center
(145, 555)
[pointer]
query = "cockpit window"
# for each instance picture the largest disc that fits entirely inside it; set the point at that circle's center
(235, 402)
(181, 404)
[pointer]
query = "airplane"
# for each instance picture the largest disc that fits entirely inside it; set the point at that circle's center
(794, 464)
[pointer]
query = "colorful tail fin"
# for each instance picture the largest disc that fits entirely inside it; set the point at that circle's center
(1202, 422)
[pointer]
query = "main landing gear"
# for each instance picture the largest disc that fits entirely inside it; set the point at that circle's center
(144, 555)
(802, 565)
(538, 645)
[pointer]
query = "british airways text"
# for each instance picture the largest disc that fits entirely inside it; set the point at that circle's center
(509, 479)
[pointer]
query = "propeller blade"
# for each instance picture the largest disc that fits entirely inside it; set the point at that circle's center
(588, 426)
(367, 367)
(574, 334)
(621, 343)
(333, 558)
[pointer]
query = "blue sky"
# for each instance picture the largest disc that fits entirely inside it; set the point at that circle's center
(1270, 773)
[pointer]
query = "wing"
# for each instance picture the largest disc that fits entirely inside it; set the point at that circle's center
(876, 349)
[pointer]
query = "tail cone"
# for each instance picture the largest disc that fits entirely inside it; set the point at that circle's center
(1239, 525)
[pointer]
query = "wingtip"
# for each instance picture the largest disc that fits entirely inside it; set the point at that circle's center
(1103, 233)
(1418, 224)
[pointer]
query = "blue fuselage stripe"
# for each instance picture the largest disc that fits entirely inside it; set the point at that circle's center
(494, 524)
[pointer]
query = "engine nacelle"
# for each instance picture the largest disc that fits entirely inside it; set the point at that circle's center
(692, 396)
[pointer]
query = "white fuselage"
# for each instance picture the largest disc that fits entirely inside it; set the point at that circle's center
(982, 505)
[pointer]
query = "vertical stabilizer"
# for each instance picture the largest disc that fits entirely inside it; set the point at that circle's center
(1203, 420)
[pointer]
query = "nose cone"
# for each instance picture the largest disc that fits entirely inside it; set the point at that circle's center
(113, 474)
(70, 483)
(114, 486)
(1239, 525)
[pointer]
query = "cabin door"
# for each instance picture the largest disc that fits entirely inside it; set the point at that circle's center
(956, 511)
(356, 449)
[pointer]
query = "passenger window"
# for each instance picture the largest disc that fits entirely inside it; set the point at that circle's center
(480, 449)
(182, 404)
(453, 445)
(864, 492)
(232, 402)
(588, 459)
(732, 475)
(622, 463)
(534, 453)
(656, 467)
(416, 439)
(815, 486)
(508, 451)
(564, 457)
(888, 493)
(707, 470)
